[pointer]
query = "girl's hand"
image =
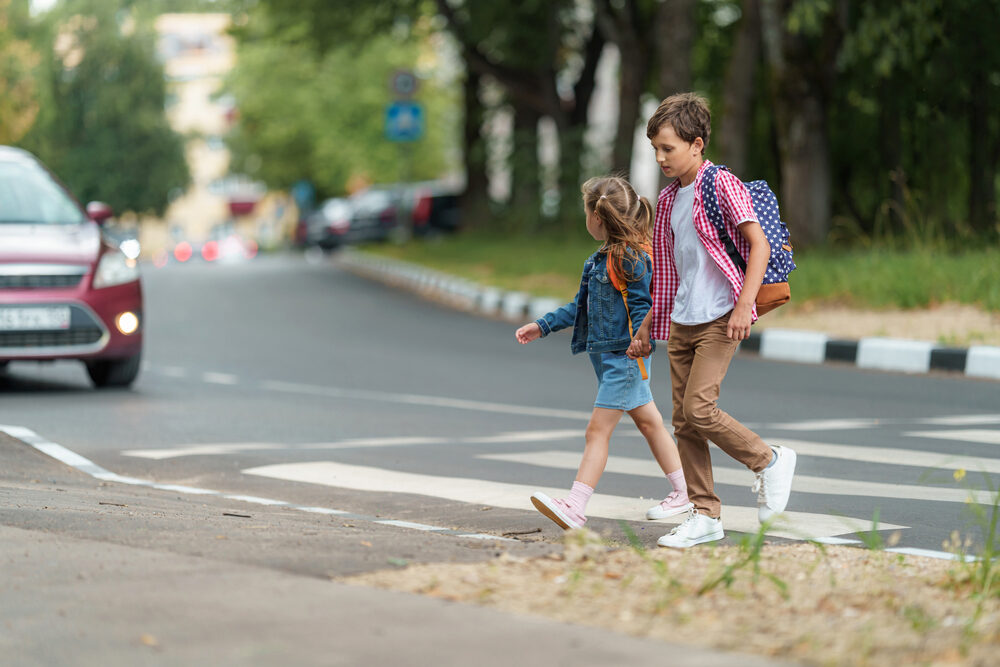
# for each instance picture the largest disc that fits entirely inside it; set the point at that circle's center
(739, 323)
(639, 347)
(528, 333)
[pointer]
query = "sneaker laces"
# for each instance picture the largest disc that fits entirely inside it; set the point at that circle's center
(691, 514)
(673, 495)
(758, 485)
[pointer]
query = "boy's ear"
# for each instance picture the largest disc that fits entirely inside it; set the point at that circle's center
(699, 144)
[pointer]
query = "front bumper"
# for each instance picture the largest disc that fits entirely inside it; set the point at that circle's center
(92, 333)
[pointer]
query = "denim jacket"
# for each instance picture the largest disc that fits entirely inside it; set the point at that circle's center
(597, 314)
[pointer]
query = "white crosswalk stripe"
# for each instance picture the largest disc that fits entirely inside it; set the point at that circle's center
(795, 525)
(564, 460)
(983, 436)
(903, 457)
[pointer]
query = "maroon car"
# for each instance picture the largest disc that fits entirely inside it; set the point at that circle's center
(66, 291)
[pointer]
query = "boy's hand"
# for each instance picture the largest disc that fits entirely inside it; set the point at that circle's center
(739, 323)
(528, 333)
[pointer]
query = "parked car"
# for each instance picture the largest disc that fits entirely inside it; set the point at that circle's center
(374, 214)
(66, 290)
(328, 226)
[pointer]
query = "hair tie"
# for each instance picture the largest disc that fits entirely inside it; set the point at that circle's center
(603, 197)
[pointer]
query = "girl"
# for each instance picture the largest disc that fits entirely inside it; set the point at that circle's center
(603, 320)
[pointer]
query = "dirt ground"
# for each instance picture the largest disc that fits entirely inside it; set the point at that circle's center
(951, 324)
(802, 602)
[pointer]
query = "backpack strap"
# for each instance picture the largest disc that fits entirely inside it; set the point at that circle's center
(622, 287)
(710, 200)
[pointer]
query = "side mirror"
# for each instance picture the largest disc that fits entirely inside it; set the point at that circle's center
(99, 212)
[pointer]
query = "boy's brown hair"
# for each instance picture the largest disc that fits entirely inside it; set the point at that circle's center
(687, 113)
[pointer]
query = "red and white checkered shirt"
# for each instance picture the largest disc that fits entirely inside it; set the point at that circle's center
(737, 207)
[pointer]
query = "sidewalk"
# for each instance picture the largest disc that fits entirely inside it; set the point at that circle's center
(876, 352)
(98, 573)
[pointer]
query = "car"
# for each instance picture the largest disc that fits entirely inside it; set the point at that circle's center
(374, 214)
(67, 290)
(328, 226)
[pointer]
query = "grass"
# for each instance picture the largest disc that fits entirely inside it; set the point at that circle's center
(876, 278)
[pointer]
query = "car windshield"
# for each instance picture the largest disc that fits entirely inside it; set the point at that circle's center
(28, 195)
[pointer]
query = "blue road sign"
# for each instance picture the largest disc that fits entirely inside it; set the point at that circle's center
(404, 121)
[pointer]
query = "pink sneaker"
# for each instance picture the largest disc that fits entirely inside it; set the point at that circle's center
(558, 510)
(672, 505)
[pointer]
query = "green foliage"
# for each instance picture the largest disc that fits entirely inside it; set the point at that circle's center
(103, 128)
(320, 116)
(19, 103)
(750, 550)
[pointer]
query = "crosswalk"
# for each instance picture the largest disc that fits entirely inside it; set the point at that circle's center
(925, 451)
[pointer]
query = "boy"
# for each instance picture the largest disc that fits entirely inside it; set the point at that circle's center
(703, 307)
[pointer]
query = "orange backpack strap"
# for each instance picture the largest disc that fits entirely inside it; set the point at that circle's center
(619, 284)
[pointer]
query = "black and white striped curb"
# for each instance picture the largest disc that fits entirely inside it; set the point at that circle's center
(890, 354)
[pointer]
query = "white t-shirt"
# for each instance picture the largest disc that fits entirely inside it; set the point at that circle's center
(704, 293)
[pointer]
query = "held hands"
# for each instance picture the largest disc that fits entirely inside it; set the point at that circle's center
(528, 333)
(739, 323)
(640, 346)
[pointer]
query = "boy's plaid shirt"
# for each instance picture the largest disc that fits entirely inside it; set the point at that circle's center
(737, 207)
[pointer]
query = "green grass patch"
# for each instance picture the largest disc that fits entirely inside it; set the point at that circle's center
(863, 278)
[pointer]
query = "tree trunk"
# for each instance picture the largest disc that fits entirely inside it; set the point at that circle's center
(631, 79)
(674, 28)
(475, 201)
(891, 140)
(982, 171)
(738, 96)
(525, 171)
(798, 100)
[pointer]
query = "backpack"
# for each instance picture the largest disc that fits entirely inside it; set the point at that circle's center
(774, 290)
(621, 285)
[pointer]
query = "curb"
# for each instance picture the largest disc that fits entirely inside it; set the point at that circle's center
(810, 347)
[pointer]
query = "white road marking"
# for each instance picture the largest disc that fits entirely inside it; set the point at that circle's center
(218, 449)
(899, 457)
(961, 420)
(220, 378)
(979, 435)
(85, 465)
(173, 371)
(826, 424)
(795, 525)
(564, 460)
(418, 399)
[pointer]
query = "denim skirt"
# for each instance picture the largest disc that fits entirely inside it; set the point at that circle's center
(619, 381)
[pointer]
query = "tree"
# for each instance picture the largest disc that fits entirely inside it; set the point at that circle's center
(19, 104)
(104, 130)
(316, 111)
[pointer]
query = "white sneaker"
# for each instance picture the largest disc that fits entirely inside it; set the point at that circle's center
(696, 529)
(773, 485)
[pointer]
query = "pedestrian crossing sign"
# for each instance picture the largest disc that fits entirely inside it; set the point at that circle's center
(404, 121)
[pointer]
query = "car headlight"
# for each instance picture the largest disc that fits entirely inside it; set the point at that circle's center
(115, 269)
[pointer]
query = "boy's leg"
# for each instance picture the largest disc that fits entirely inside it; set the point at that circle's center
(714, 351)
(691, 444)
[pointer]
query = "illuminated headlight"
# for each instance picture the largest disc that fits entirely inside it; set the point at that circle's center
(115, 269)
(131, 248)
(127, 323)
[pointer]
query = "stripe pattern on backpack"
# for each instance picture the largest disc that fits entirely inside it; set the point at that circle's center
(774, 290)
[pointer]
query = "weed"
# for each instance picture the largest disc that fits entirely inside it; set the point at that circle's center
(750, 548)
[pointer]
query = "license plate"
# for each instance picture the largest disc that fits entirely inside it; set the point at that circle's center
(34, 319)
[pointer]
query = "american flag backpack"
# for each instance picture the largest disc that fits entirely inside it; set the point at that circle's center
(774, 290)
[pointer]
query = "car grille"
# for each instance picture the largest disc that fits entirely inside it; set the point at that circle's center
(39, 281)
(41, 276)
(32, 339)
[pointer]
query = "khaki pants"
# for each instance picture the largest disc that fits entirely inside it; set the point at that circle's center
(699, 358)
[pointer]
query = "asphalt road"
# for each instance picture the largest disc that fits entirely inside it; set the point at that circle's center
(301, 383)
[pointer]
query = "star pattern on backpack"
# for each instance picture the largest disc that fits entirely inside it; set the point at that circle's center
(765, 207)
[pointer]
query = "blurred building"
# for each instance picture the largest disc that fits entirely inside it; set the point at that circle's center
(197, 54)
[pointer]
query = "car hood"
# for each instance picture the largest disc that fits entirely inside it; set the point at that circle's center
(76, 244)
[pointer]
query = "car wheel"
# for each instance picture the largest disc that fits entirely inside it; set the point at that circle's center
(114, 372)
(3, 367)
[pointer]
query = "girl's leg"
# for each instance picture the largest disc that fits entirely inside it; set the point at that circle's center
(598, 437)
(570, 512)
(649, 421)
